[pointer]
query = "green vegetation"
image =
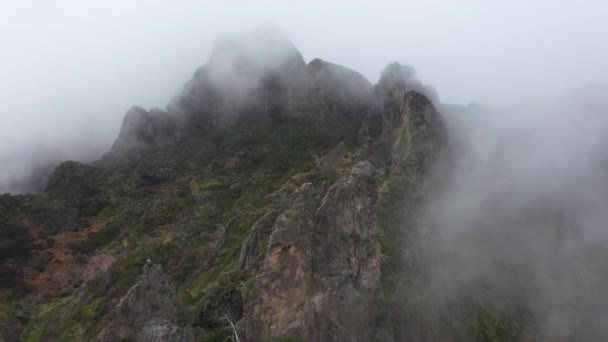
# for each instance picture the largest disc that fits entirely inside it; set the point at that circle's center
(40, 322)
(36, 334)
(95, 240)
(16, 248)
(90, 311)
(191, 209)
(17, 242)
(288, 339)
(483, 313)
(187, 208)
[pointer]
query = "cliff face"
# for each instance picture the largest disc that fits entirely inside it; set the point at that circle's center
(322, 271)
(263, 190)
(148, 312)
(322, 268)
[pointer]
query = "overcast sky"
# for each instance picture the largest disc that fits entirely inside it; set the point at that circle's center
(70, 69)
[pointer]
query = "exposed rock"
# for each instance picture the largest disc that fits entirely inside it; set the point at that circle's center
(404, 77)
(413, 138)
(346, 259)
(410, 125)
(321, 274)
(148, 312)
(145, 129)
(322, 267)
(312, 270)
(416, 128)
(259, 74)
(255, 242)
(330, 161)
(339, 97)
(279, 303)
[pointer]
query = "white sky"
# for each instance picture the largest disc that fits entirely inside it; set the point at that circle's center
(70, 69)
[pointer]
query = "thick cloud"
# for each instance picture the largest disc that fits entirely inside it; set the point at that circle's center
(70, 69)
(521, 211)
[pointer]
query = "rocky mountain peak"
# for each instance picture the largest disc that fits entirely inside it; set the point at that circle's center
(144, 129)
(257, 73)
(402, 78)
(266, 49)
(259, 189)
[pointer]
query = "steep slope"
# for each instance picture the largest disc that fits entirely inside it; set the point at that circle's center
(262, 190)
(148, 312)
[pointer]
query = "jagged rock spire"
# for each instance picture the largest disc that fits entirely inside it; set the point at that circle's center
(396, 76)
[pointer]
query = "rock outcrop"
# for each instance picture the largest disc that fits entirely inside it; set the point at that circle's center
(260, 189)
(322, 268)
(143, 129)
(148, 312)
(258, 74)
(398, 76)
(254, 76)
(338, 97)
(321, 274)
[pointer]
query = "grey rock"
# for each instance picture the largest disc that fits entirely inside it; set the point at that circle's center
(255, 242)
(279, 302)
(258, 73)
(145, 129)
(332, 159)
(322, 266)
(321, 273)
(339, 97)
(396, 75)
(148, 312)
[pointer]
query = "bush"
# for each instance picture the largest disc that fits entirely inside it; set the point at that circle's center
(16, 245)
(95, 240)
(16, 242)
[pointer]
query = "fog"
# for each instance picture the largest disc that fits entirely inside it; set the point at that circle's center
(518, 204)
(70, 69)
(517, 222)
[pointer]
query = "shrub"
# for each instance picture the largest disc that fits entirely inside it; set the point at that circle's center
(95, 240)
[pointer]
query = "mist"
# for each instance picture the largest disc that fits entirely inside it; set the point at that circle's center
(517, 221)
(71, 70)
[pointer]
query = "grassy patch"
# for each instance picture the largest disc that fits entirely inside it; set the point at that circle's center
(90, 311)
(38, 325)
(211, 185)
(288, 339)
(37, 331)
(201, 281)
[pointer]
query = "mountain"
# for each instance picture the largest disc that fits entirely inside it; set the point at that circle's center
(271, 200)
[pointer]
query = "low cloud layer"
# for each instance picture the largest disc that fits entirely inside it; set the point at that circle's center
(521, 214)
(519, 208)
(69, 76)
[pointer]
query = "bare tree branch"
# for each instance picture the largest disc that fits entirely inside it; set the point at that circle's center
(317, 161)
(236, 334)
